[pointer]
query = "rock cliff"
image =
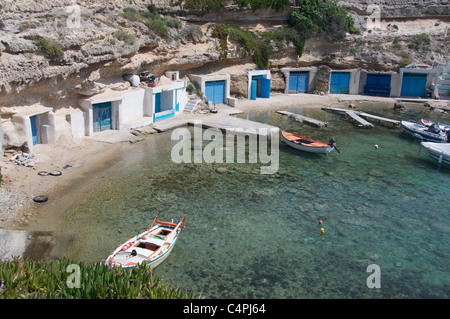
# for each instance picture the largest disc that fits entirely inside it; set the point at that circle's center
(98, 43)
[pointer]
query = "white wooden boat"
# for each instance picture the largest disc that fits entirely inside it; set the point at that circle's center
(423, 132)
(438, 151)
(151, 247)
(308, 144)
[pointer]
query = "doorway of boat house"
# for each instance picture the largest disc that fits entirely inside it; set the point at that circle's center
(339, 82)
(102, 113)
(260, 87)
(34, 131)
(298, 81)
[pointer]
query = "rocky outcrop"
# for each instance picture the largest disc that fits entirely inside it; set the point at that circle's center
(2, 147)
(105, 45)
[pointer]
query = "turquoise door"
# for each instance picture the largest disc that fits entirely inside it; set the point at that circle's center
(298, 81)
(414, 84)
(253, 89)
(157, 102)
(33, 129)
(339, 83)
(215, 91)
(265, 88)
(102, 116)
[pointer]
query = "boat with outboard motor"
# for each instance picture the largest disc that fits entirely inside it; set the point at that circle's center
(442, 127)
(431, 133)
(308, 144)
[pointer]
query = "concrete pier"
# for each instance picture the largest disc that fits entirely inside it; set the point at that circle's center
(222, 122)
(302, 118)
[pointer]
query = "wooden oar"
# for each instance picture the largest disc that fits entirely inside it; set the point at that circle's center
(154, 220)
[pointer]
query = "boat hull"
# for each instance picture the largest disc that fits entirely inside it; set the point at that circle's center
(438, 151)
(323, 149)
(420, 131)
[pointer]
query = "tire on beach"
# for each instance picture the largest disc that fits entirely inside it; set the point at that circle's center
(43, 173)
(55, 173)
(40, 199)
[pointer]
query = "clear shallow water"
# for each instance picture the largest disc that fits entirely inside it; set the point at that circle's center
(257, 236)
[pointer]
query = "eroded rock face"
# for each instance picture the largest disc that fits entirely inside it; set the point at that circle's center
(2, 147)
(26, 76)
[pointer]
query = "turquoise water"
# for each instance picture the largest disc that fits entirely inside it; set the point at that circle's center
(258, 236)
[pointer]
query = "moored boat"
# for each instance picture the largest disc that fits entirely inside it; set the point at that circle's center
(442, 127)
(308, 144)
(151, 247)
(438, 151)
(432, 133)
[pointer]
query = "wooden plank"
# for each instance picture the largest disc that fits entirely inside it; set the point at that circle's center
(379, 118)
(361, 121)
(302, 118)
(351, 114)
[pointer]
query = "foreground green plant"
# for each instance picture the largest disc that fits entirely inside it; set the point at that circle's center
(23, 278)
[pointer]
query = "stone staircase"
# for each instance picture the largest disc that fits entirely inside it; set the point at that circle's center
(443, 81)
(191, 104)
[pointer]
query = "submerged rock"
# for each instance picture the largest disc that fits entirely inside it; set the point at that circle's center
(221, 170)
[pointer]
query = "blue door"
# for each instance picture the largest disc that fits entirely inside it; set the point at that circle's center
(33, 129)
(157, 102)
(298, 81)
(378, 85)
(339, 83)
(253, 89)
(102, 116)
(414, 84)
(265, 88)
(215, 91)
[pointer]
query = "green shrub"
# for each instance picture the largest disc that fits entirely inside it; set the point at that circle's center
(124, 36)
(25, 279)
(284, 35)
(396, 44)
(321, 18)
(198, 5)
(247, 41)
(130, 14)
(257, 4)
(49, 47)
(28, 25)
(420, 41)
(157, 26)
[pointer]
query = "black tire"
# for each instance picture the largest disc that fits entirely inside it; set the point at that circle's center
(40, 199)
(43, 173)
(55, 173)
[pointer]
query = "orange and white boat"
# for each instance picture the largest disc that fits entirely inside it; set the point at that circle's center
(308, 144)
(151, 247)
